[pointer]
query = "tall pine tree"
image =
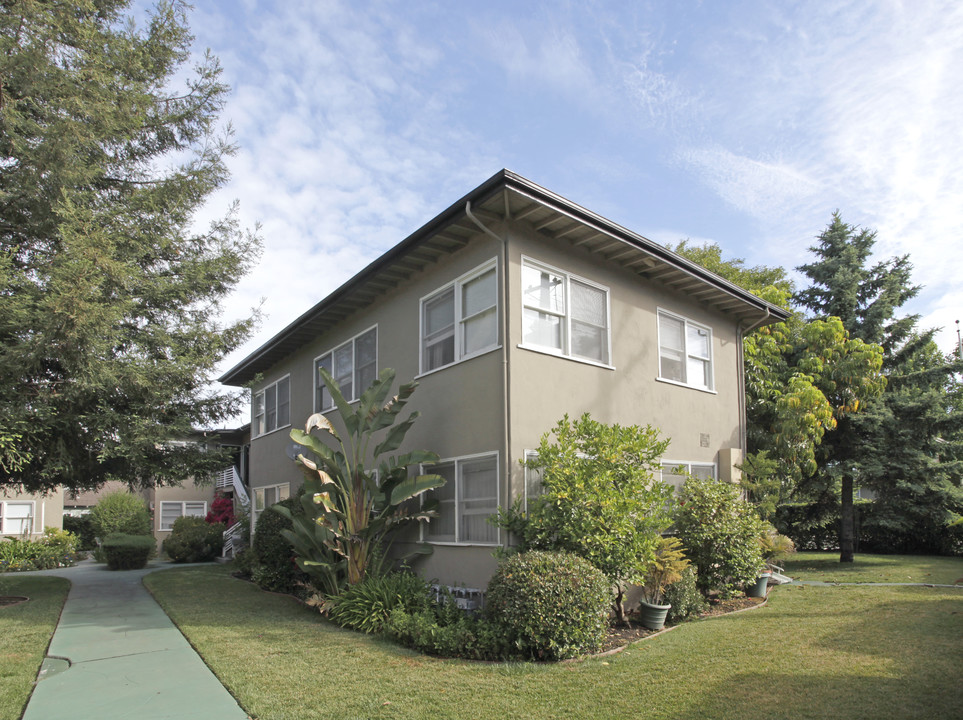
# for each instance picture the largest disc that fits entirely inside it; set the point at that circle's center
(111, 295)
(897, 438)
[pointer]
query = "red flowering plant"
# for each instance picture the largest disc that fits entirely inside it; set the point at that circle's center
(222, 511)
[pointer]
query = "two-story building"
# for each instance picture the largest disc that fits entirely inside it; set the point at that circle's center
(511, 308)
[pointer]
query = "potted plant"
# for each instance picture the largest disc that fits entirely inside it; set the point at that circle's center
(774, 546)
(663, 570)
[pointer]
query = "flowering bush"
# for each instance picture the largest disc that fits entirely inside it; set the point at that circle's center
(57, 548)
(222, 511)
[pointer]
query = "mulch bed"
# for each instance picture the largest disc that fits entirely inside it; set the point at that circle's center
(12, 600)
(620, 636)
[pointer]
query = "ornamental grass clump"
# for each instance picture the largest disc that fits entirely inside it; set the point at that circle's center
(551, 605)
(367, 605)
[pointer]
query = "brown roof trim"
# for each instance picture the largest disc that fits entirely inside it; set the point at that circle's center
(308, 325)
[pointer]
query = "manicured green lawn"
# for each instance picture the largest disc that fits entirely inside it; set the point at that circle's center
(25, 632)
(813, 652)
(825, 566)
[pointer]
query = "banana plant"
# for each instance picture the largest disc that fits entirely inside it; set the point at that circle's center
(350, 513)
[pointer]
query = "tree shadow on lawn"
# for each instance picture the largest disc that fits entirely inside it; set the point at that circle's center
(897, 658)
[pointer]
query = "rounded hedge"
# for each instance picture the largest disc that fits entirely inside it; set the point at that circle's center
(128, 552)
(553, 605)
(193, 539)
(274, 567)
(120, 512)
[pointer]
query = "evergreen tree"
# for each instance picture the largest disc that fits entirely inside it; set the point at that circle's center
(872, 447)
(109, 330)
(915, 467)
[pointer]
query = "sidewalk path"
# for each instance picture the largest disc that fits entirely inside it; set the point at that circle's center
(116, 655)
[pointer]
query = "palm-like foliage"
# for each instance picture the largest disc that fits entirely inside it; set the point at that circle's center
(351, 512)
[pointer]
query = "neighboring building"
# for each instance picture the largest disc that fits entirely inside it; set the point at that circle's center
(27, 515)
(168, 503)
(512, 308)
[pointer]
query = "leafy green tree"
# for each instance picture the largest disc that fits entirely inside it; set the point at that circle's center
(802, 376)
(109, 146)
(351, 512)
(599, 499)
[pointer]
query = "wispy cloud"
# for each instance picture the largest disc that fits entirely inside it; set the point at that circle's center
(868, 97)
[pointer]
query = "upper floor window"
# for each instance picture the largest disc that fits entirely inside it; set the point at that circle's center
(460, 320)
(564, 313)
(354, 366)
(466, 500)
(685, 351)
(272, 407)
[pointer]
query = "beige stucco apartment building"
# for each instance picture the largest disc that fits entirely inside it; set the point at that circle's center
(512, 308)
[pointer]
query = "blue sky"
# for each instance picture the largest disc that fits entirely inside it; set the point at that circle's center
(741, 123)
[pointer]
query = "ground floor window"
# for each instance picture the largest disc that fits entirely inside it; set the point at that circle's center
(674, 473)
(466, 500)
(170, 510)
(16, 518)
(265, 497)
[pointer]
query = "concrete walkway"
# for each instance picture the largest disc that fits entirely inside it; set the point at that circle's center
(116, 655)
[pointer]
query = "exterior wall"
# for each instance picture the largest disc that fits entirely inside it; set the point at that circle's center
(703, 426)
(178, 493)
(45, 510)
(462, 405)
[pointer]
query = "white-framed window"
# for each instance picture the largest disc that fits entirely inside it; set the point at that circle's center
(533, 479)
(460, 320)
(685, 351)
(16, 518)
(272, 407)
(564, 314)
(265, 497)
(674, 473)
(466, 500)
(354, 366)
(170, 510)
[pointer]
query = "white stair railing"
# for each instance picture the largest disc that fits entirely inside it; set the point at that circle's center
(232, 540)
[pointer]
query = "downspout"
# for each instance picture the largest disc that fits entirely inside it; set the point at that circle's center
(743, 410)
(506, 396)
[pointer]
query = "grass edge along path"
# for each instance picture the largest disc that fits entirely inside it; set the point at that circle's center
(25, 633)
(813, 652)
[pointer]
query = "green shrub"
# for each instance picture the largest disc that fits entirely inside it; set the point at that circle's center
(472, 638)
(57, 548)
(551, 605)
(120, 512)
(127, 552)
(193, 539)
(685, 598)
(367, 605)
(83, 527)
(274, 567)
(720, 532)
